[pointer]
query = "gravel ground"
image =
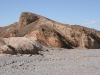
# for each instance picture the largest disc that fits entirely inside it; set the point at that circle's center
(52, 62)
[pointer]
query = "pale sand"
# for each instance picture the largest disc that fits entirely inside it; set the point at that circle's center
(52, 62)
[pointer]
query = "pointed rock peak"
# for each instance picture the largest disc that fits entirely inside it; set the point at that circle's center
(27, 18)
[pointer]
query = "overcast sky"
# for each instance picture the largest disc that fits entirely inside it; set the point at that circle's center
(81, 12)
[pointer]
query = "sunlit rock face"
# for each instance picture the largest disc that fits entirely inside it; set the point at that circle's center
(19, 45)
(52, 34)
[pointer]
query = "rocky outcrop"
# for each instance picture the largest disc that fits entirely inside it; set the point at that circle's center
(52, 34)
(19, 45)
(49, 36)
(27, 18)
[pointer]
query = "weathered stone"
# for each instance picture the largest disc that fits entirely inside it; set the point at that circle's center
(19, 45)
(51, 33)
(27, 18)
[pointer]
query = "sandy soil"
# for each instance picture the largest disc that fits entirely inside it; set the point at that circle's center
(52, 62)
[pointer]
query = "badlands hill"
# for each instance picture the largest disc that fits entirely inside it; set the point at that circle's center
(52, 34)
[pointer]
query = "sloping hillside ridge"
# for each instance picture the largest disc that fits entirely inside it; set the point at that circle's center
(51, 33)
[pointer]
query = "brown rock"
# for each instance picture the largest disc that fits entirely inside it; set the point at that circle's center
(51, 33)
(27, 18)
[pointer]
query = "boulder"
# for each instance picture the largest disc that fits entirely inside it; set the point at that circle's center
(19, 45)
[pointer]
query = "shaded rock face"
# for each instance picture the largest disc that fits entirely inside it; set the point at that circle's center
(19, 45)
(52, 34)
(27, 18)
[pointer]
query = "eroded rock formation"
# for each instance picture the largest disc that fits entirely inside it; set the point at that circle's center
(52, 34)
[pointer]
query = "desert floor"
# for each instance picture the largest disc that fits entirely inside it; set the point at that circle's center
(53, 61)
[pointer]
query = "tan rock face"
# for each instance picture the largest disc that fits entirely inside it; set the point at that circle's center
(27, 18)
(51, 33)
(46, 36)
(19, 45)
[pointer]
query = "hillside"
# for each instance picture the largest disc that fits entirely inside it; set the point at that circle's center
(52, 34)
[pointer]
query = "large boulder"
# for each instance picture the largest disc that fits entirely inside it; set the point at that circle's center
(19, 45)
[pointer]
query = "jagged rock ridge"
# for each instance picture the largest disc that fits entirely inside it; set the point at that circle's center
(51, 33)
